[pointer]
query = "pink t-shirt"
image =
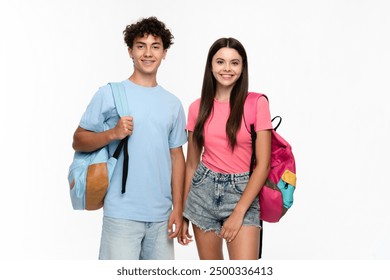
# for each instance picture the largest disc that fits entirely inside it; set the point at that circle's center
(217, 153)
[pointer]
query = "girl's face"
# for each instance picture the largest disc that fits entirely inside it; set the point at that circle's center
(226, 66)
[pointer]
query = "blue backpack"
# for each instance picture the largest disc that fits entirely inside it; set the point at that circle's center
(90, 173)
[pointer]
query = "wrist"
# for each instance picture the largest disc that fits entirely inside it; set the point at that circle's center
(240, 211)
(177, 208)
(111, 134)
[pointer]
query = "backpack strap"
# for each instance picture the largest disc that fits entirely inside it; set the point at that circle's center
(120, 100)
(119, 93)
(250, 109)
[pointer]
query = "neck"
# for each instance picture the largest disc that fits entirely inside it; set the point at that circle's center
(223, 94)
(144, 80)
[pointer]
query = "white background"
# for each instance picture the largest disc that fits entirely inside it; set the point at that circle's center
(323, 64)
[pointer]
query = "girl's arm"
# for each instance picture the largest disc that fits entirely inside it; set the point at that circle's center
(260, 173)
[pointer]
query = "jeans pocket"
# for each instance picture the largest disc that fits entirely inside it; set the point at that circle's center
(239, 187)
(198, 178)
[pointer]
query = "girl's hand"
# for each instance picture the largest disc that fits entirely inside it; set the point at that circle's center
(231, 227)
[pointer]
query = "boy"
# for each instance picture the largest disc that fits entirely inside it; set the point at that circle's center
(138, 224)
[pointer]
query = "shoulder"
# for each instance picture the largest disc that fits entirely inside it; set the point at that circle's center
(255, 105)
(105, 91)
(195, 103)
(103, 95)
(256, 96)
(194, 106)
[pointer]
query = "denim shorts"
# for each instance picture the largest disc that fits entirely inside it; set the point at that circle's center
(213, 197)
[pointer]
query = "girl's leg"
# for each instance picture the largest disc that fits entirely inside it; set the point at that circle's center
(208, 243)
(246, 244)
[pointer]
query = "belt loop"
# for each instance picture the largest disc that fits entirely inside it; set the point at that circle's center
(206, 170)
(232, 180)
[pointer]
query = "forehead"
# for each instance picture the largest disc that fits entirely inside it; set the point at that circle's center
(148, 39)
(227, 54)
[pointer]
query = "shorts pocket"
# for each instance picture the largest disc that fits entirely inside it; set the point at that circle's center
(198, 178)
(239, 187)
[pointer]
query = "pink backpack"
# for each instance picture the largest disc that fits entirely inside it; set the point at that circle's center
(276, 196)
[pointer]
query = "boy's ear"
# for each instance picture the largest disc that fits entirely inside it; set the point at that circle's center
(165, 53)
(130, 51)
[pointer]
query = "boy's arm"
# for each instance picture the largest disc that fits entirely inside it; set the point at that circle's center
(192, 162)
(88, 141)
(177, 183)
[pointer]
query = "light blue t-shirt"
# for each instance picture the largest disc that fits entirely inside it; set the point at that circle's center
(159, 124)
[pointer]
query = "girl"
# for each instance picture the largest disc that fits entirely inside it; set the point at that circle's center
(221, 201)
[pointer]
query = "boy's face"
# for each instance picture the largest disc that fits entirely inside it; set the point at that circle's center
(147, 53)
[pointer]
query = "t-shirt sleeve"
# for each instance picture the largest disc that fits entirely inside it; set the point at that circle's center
(178, 135)
(263, 115)
(99, 111)
(193, 111)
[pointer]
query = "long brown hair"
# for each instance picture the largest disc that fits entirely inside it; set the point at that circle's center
(237, 96)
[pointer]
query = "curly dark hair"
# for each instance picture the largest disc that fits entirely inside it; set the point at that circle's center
(148, 26)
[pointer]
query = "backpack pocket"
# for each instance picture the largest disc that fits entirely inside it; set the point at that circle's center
(287, 186)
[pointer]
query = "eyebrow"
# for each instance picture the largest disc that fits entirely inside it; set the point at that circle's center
(234, 59)
(142, 43)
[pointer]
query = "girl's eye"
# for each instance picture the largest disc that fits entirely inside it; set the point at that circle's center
(219, 62)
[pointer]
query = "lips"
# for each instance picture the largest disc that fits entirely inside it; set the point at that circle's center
(148, 62)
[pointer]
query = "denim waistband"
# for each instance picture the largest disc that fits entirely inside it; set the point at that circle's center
(223, 177)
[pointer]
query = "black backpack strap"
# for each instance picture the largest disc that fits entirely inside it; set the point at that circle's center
(125, 164)
(261, 238)
(280, 121)
(123, 144)
(253, 157)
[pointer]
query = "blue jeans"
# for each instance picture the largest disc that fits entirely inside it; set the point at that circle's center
(130, 240)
